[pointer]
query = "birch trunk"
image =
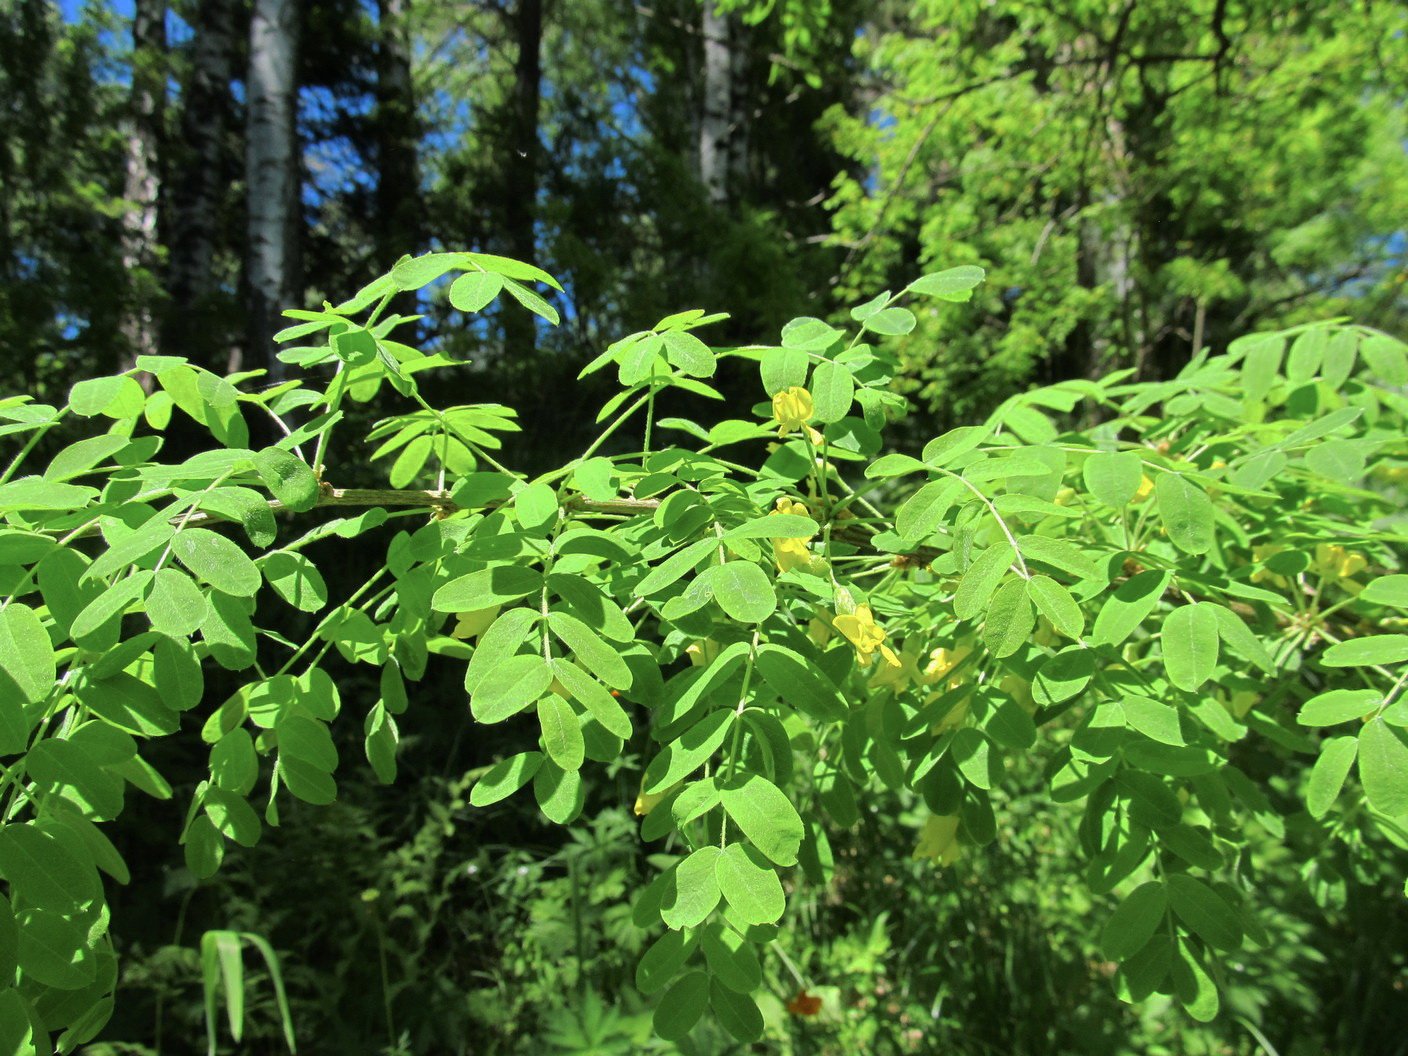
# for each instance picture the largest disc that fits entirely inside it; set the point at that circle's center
(142, 180)
(272, 178)
(714, 124)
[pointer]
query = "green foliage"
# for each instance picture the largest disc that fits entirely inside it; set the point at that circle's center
(1140, 180)
(746, 628)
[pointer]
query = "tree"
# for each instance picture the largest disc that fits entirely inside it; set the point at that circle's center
(273, 175)
(143, 182)
(1142, 171)
(1187, 621)
(202, 165)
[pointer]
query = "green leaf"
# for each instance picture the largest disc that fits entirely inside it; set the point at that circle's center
(1186, 512)
(289, 479)
(204, 848)
(536, 508)
(1011, 727)
(1113, 478)
(922, 513)
(589, 648)
(175, 605)
(234, 766)
(530, 300)
(27, 665)
(1339, 705)
(1383, 767)
(695, 892)
(1010, 619)
(1128, 607)
(766, 816)
(750, 887)
(486, 588)
(891, 322)
(952, 284)
(1369, 651)
(54, 951)
(473, 290)
(1134, 922)
(232, 816)
(738, 1012)
(976, 587)
(295, 579)
(505, 778)
(593, 696)
(675, 566)
(973, 753)
(743, 590)
(1054, 602)
(115, 397)
(1261, 365)
(833, 389)
(63, 767)
(681, 1006)
(1328, 774)
(1190, 645)
(1154, 720)
(731, 960)
(1204, 912)
(213, 559)
(775, 526)
(1242, 640)
(689, 354)
(1387, 590)
(944, 449)
(43, 871)
(1063, 675)
(562, 736)
(509, 687)
(688, 752)
(662, 962)
(800, 683)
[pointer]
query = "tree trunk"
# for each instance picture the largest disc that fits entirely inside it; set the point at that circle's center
(714, 124)
(142, 182)
(272, 178)
(398, 200)
(202, 172)
(521, 170)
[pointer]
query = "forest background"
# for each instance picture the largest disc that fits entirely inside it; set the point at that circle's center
(1139, 179)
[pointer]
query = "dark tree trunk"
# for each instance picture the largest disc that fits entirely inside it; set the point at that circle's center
(398, 198)
(521, 170)
(202, 171)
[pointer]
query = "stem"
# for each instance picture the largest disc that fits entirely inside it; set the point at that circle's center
(1021, 564)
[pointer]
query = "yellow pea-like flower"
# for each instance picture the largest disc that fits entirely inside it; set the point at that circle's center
(860, 629)
(473, 624)
(791, 552)
(1146, 488)
(938, 839)
(1335, 562)
(792, 408)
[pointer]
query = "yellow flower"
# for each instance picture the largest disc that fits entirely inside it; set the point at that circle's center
(897, 678)
(791, 408)
(939, 839)
(792, 552)
(1335, 562)
(473, 624)
(861, 630)
(1146, 488)
(702, 652)
(648, 801)
(943, 660)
